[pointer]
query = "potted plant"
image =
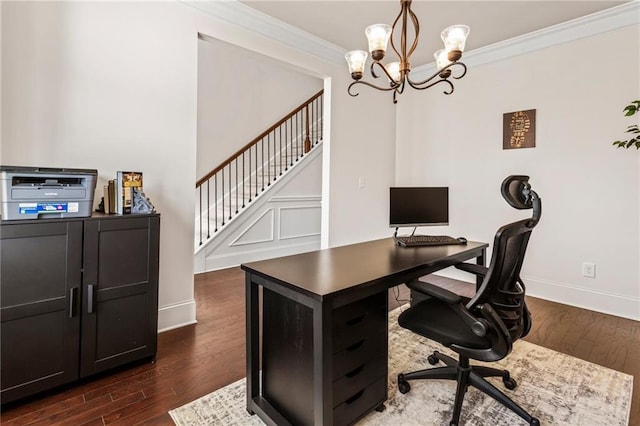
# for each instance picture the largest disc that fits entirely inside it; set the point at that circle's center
(629, 110)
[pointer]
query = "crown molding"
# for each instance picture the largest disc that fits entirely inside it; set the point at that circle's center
(241, 15)
(611, 19)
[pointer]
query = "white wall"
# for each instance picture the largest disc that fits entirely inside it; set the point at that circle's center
(113, 85)
(241, 94)
(590, 190)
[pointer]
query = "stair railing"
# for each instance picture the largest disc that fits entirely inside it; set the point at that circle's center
(237, 181)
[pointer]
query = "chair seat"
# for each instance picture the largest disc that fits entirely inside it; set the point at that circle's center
(438, 321)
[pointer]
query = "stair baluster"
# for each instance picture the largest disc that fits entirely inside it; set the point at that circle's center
(286, 142)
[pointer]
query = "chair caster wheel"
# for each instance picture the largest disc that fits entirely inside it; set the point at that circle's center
(510, 383)
(534, 422)
(433, 360)
(403, 385)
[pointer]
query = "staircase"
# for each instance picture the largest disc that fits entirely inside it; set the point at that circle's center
(229, 189)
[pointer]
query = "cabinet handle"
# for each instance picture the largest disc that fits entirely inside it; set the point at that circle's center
(90, 298)
(73, 301)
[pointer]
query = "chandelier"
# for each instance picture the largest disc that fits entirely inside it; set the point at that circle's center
(398, 73)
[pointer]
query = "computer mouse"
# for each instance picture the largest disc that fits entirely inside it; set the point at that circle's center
(462, 240)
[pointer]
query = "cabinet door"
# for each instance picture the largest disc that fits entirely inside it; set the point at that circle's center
(40, 272)
(120, 285)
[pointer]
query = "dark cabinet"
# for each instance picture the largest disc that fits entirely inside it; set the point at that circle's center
(78, 296)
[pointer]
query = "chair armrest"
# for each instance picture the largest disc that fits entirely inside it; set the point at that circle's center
(478, 326)
(494, 320)
(434, 291)
(472, 268)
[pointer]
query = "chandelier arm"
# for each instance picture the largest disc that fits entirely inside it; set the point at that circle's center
(437, 73)
(372, 71)
(393, 29)
(464, 70)
(416, 27)
(400, 87)
(442, 80)
(366, 83)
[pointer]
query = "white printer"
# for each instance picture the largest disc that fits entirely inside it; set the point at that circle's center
(44, 192)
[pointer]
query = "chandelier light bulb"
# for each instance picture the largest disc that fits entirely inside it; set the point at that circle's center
(442, 60)
(378, 37)
(454, 38)
(356, 60)
(394, 71)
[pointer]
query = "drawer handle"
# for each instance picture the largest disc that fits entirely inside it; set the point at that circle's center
(355, 371)
(356, 320)
(91, 298)
(355, 345)
(354, 398)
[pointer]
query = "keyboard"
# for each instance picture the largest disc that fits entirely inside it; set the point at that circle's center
(427, 240)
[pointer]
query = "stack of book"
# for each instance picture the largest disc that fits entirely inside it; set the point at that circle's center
(121, 193)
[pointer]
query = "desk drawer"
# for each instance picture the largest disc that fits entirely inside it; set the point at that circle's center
(352, 311)
(360, 403)
(364, 319)
(362, 351)
(358, 378)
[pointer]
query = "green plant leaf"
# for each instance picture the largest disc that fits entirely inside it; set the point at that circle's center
(629, 110)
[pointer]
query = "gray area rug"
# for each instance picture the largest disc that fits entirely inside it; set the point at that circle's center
(557, 389)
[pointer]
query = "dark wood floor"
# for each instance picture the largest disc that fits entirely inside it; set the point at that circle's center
(195, 360)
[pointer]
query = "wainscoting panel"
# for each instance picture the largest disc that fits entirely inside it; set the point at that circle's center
(260, 231)
(299, 221)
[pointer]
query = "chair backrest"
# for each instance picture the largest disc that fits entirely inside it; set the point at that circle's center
(502, 287)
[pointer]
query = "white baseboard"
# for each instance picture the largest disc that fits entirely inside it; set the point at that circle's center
(175, 316)
(599, 301)
(567, 294)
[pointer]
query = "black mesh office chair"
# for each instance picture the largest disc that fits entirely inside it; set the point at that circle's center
(483, 327)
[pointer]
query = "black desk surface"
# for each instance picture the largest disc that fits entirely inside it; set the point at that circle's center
(322, 273)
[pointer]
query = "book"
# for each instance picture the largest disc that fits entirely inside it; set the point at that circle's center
(125, 182)
(105, 202)
(112, 196)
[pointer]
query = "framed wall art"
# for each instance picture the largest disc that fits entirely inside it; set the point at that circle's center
(519, 129)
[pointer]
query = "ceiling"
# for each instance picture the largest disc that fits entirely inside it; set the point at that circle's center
(343, 22)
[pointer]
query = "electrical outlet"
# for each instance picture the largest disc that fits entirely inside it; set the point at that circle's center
(589, 270)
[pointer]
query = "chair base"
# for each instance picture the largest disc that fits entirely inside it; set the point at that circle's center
(465, 376)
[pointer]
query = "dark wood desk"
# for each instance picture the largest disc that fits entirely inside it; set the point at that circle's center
(324, 328)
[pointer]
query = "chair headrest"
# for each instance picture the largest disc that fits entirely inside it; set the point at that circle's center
(517, 191)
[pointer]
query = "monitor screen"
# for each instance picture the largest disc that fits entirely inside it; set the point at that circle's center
(418, 206)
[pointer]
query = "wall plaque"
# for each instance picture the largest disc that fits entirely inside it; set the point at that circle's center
(519, 129)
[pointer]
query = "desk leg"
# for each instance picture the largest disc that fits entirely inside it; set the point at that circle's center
(253, 342)
(481, 260)
(322, 365)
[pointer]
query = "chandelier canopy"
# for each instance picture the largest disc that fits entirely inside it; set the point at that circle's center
(398, 73)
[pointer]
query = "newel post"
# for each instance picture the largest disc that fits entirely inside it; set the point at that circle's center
(307, 141)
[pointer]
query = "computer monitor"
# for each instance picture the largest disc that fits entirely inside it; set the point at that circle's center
(418, 206)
